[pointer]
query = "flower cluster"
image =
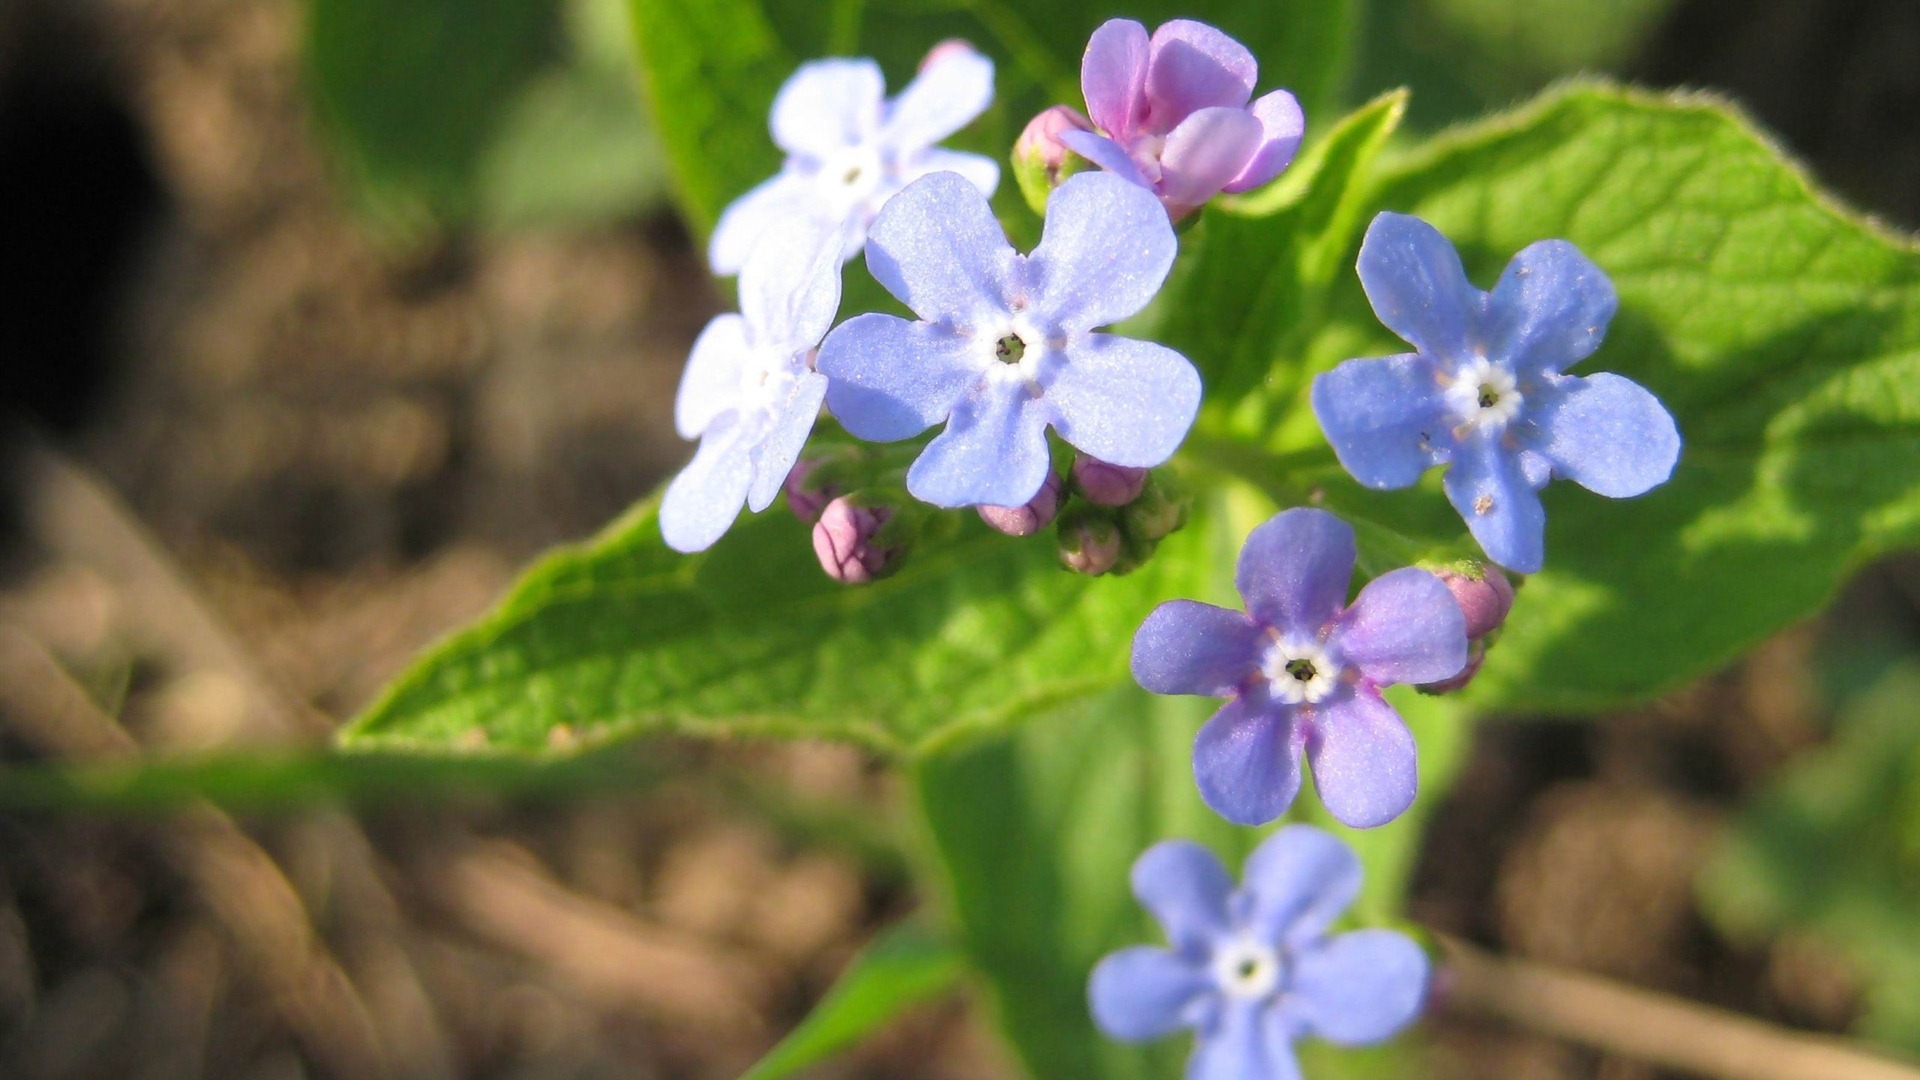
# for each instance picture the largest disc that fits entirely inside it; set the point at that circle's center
(1005, 392)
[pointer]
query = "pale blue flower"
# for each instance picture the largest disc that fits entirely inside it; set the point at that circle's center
(1250, 971)
(749, 394)
(1485, 393)
(1005, 345)
(849, 149)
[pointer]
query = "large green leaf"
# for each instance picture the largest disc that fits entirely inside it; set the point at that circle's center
(623, 635)
(1783, 333)
(1036, 832)
(713, 66)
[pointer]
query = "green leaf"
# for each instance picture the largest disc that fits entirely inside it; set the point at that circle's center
(1832, 850)
(622, 636)
(1783, 333)
(904, 968)
(1037, 830)
(713, 66)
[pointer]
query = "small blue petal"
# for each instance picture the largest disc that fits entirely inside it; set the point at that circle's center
(1490, 490)
(953, 89)
(1359, 988)
(892, 379)
(1104, 252)
(710, 385)
(826, 105)
(1299, 881)
(1186, 647)
(785, 437)
(993, 452)
(1417, 286)
(1294, 570)
(1246, 760)
(1123, 401)
(1246, 1045)
(704, 499)
(1385, 418)
(939, 249)
(1606, 433)
(787, 196)
(1364, 763)
(1186, 889)
(790, 285)
(1404, 627)
(1106, 153)
(1144, 993)
(1549, 310)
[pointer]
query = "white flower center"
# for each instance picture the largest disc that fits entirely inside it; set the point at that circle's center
(851, 176)
(1299, 672)
(1018, 349)
(765, 381)
(1485, 395)
(1246, 969)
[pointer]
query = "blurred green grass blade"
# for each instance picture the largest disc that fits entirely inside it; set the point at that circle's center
(903, 968)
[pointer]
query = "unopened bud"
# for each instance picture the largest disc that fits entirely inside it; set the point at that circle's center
(1483, 592)
(854, 543)
(1158, 512)
(943, 50)
(806, 493)
(1107, 485)
(1040, 160)
(1089, 543)
(1037, 514)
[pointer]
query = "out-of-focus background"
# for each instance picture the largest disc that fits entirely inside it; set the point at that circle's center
(278, 414)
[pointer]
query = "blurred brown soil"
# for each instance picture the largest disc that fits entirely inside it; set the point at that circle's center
(348, 451)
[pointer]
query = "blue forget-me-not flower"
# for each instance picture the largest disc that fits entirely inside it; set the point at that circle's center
(1005, 343)
(749, 394)
(849, 149)
(1252, 970)
(1303, 669)
(1485, 392)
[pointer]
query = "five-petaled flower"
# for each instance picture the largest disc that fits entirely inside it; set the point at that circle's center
(1251, 970)
(1005, 344)
(849, 150)
(1484, 393)
(748, 394)
(1175, 115)
(1304, 670)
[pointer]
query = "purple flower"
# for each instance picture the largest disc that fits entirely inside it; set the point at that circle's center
(1175, 114)
(849, 150)
(748, 394)
(1005, 346)
(1484, 392)
(1251, 970)
(1303, 670)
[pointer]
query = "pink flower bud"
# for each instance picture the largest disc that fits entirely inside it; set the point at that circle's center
(1107, 485)
(1037, 514)
(1483, 593)
(805, 497)
(945, 49)
(1089, 544)
(849, 543)
(1040, 141)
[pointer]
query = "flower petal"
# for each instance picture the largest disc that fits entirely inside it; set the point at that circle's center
(1186, 889)
(939, 249)
(1187, 647)
(979, 171)
(1143, 993)
(1204, 153)
(1490, 490)
(711, 383)
(1107, 154)
(1123, 401)
(1606, 433)
(1549, 310)
(790, 285)
(785, 437)
(1245, 1045)
(1104, 252)
(993, 453)
(1294, 570)
(1246, 760)
(1363, 759)
(786, 196)
(1282, 126)
(1384, 417)
(1113, 76)
(1417, 286)
(1359, 988)
(704, 499)
(1193, 66)
(893, 379)
(1404, 627)
(1300, 880)
(827, 105)
(945, 97)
